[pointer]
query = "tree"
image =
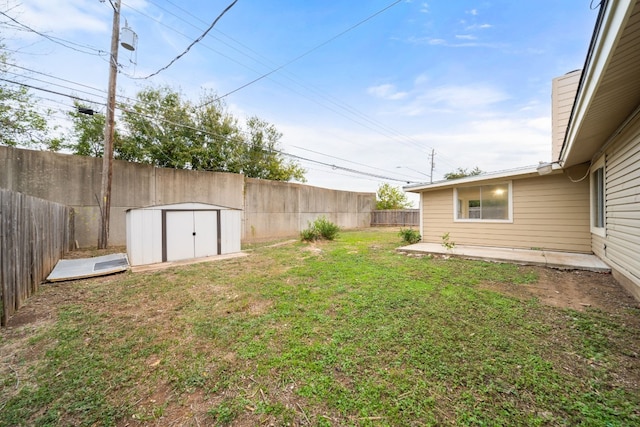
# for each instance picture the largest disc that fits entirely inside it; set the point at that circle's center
(20, 123)
(390, 197)
(462, 172)
(87, 132)
(263, 160)
(220, 145)
(158, 130)
(164, 130)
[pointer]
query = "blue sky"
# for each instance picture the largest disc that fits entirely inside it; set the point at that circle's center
(469, 79)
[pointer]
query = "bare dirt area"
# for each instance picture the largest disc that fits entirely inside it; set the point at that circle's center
(574, 289)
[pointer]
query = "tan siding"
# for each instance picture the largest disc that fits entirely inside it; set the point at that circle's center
(549, 212)
(621, 245)
(597, 245)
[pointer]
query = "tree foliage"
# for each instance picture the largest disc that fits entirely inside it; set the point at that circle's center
(390, 197)
(20, 122)
(87, 132)
(262, 157)
(161, 128)
(165, 130)
(462, 172)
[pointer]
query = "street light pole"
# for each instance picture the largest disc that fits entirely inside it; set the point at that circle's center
(107, 156)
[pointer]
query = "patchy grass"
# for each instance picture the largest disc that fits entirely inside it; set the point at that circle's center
(347, 332)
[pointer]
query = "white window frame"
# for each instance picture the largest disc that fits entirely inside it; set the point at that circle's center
(595, 166)
(502, 221)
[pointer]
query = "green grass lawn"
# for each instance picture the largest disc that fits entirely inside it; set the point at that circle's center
(348, 332)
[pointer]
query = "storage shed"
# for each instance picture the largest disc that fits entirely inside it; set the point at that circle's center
(181, 231)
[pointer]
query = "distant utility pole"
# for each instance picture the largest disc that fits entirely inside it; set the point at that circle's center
(107, 156)
(433, 154)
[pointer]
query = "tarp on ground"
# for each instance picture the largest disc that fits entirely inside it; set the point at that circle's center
(70, 269)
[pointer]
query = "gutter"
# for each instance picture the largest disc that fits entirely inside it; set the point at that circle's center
(506, 174)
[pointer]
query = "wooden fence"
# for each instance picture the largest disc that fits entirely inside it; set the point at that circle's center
(402, 217)
(34, 234)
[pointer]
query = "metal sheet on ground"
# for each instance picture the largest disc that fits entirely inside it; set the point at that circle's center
(70, 269)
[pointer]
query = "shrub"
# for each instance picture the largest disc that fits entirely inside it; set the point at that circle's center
(326, 228)
(321, 228)
(309, 234)
(409, 235)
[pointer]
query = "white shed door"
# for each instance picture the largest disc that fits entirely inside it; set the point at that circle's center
(206, 237)
(191, 234)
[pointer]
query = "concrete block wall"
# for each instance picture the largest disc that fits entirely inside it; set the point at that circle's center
(270, 208)
(281, 209)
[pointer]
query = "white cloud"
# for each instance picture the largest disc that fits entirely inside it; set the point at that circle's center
(424, 8)
(476, 27)
(466, 41)
(386, 91)
(64, 16)
(491, 144)
(473, 12)
(421, 79)
(464, 97)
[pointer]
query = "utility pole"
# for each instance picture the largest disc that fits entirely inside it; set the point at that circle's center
(433, 154)
(107, 156)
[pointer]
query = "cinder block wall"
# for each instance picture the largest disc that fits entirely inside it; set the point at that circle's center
(281, 209)
(271, 208)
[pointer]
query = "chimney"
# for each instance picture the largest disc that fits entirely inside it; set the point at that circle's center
(563, 93)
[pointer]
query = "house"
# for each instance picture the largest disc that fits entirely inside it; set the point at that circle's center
(588, 199)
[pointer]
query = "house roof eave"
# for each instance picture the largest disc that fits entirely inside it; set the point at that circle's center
(592, 115)
(525, 172)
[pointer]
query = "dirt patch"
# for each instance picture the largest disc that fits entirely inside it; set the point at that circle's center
(577, 290)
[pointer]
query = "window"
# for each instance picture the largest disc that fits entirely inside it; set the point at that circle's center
(483, 203)
(598, 198)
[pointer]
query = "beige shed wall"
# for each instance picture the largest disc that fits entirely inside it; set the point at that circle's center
(549, 212)
(621, 246)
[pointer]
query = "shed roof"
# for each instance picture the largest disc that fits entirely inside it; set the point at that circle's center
(194, 206)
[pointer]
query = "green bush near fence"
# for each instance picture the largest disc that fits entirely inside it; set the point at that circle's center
(409, 235)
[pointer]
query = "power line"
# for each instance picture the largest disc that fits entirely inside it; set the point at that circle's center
(58, 40)
(310, 50)
(340, 158)
(194, 42)
(341, 108)
(387, 131)
(333, 166)
(101, 91)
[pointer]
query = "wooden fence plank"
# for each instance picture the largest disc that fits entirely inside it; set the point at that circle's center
(34, 235)
(403, 217)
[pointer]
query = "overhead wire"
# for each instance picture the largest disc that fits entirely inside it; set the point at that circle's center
(360, 118)
(57, 40)
(345, 107)
(340, 158)
(194, 42)
(200, 38)
(313, 49)
(332, 166)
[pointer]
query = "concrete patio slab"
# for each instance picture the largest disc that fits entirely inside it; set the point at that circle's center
(164, 265)
(553, 259)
